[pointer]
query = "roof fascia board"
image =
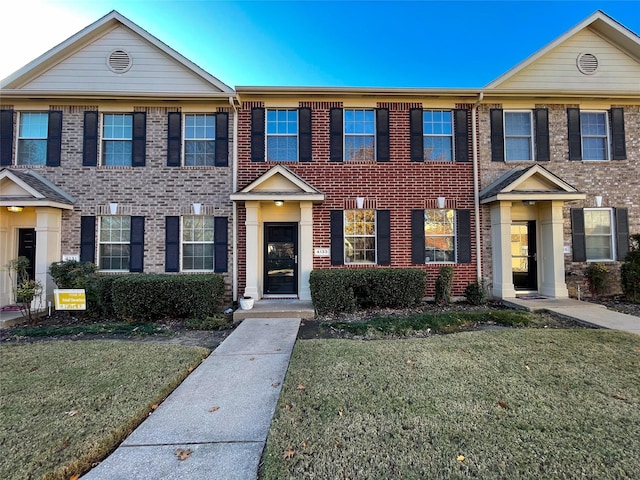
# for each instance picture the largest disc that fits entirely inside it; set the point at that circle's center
(35, 203)
(286, 173)
(538, 170)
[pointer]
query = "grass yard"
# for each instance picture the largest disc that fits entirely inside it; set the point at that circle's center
(65, 405)
(508, 404)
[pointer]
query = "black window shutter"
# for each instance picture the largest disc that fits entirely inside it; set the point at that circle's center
(618, 146)
(136, 258)
(304, 135)
(497, 135)
(257, 134)
(174, 139)
(622, 232)
(417, 237)
(90, 139)
(139, 146)
(337, 237)
(54, 138)
(220, 244)
(335, 135)
(383, 236)
(382, 135)
(575, 138)
(463, 234)
(222, 139)
(416, 139)
(88, 239)
(6, 137)
(172, 244)
(577, 235)
(461, 128)
(543, 153)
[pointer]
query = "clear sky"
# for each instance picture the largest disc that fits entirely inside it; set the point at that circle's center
(321, 43)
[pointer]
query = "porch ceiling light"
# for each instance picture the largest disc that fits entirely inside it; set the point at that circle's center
(279, 203)
(15, 209)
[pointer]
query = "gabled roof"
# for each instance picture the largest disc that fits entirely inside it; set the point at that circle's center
(529, 183)
(24, 188)
(279, 183)
(601, 25)
(16, 82)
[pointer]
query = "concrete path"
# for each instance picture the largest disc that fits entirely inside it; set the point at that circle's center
(221, 413)
(586, 312)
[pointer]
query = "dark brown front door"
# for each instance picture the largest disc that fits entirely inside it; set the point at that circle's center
(281, 258)
(27, 248)
(524, 258)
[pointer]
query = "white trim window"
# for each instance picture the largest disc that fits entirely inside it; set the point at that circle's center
(199, 140)
(518, 135)
(440, 236)
(359, 135)
(359, 236)
(114, 240)
(282, 135)
(437, 128)
(599, 234)
(594, 132)
(197, 243)
(32, 138)
(117, 139)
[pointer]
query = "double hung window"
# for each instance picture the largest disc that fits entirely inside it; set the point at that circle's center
(518, 135)
(199, 140)
(598, 234)
(197, 243)
(359, 236)
(117, 139)
(440, 235)
(359, 135)
(438, 135)
(114, 243)
(32, 138)
(594, 132)
(282, 135)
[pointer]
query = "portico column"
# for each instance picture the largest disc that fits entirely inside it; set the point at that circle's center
(252, 250)
(306, 249)
(501, 250)
(551, 235)
(48, 247)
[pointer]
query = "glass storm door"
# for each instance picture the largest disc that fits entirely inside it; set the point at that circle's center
(523, 255)
(281, 258)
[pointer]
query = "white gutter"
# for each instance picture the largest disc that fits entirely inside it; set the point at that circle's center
(476, 181)
(234, 247)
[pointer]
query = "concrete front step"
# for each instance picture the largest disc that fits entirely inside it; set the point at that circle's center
(276, 308)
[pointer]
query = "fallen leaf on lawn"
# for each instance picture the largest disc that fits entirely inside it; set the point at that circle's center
(74, 477)
(154, 406)
(304, 445)
(300, 387)
(190, 369)
(183, 454)
(214, 409)
(288, 406)
(504, 405)
(460, 458)
(526, 366)
(409, 361)
(71, 413)
(274, 385)
(340, 412)
(33, 369)
(618, 397)
(289, 453)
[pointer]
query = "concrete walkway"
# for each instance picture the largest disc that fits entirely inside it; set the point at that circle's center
(221, 413)
(585, 312)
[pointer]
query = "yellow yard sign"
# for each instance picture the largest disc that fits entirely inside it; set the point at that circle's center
(70, 299)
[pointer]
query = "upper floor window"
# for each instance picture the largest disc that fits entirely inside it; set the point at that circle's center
(117, 139)
(440, 235)
(359, 135)
(438, 135)
(199, 140)
(282, 135)
(359, 236)
(595, 135)
(598, 234)
(114, 241)
(198, 243)
(32, 138)
(518, 135)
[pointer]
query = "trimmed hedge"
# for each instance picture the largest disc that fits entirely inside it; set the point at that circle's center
(344, 290)
(155, 296)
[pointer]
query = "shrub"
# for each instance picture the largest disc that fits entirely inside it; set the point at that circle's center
(476, 293)
(72, 274)
(597, 275)
(630, 271)
(343, 290)
(155, 296)
(444, 285)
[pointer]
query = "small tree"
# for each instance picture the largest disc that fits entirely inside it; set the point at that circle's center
(630, 271)
(597, 275)
(444, 285)
(25, 290)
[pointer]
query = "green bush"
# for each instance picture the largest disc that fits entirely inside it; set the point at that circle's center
(72, 274)
(444, 285)
(476, 293)
(155, 296)
(630, 271)
(597, 275)
(344, 290)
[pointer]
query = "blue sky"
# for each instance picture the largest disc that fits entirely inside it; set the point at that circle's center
(328, 43)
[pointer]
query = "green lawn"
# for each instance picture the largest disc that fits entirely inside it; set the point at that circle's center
(510, 404)
(65, 405)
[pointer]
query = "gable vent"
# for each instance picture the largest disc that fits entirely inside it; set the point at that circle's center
(119, 61)
(587, 63)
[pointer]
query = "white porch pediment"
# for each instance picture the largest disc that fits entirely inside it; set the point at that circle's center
(279, 183)
(25, 188)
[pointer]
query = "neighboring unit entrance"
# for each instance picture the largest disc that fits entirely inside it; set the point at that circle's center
(281, 258)
(27, 248)
(523, 255)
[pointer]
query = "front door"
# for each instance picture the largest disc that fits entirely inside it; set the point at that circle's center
(27, 248)
(281, 258)
(523, 255)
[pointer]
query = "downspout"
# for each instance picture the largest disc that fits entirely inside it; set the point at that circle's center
(476, 183)
(234, 226)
